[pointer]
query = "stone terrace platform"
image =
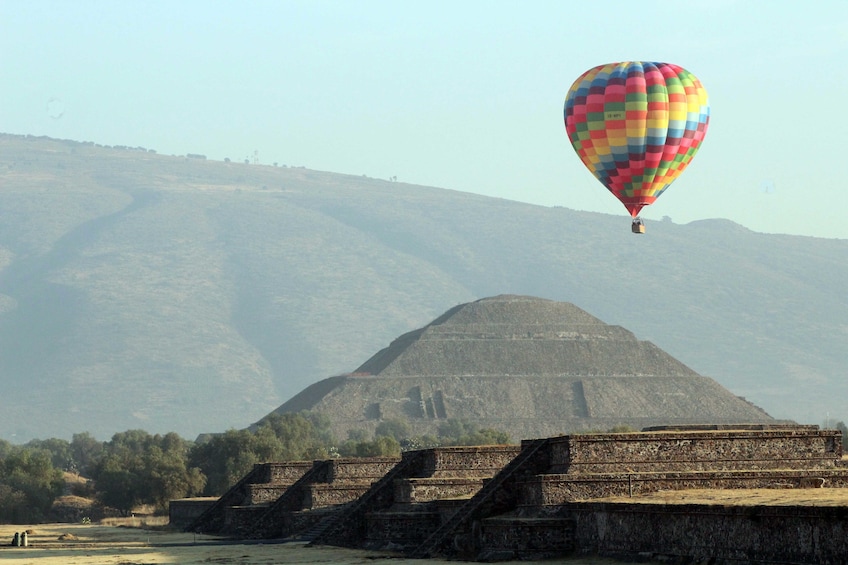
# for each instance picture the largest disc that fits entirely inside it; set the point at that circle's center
(541, 504)
(769, 456)
(416, 497)
(263, 484)
(317, 496)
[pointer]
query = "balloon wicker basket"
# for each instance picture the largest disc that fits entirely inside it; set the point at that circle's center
(637, 226)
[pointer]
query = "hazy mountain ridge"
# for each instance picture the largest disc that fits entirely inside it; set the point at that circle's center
(174, 293)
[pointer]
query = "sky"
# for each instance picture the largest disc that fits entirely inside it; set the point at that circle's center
(465, 95)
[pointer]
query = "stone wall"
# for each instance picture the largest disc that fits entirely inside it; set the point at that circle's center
(552, 490)
(388, 530)
(332, 494)
(529, 538)
(712, 534)
(239, 519)
(466, 461)
(426, 489)
(264, 493)
(281, 472)
(184, 511)
(787, 448)
(359, 469)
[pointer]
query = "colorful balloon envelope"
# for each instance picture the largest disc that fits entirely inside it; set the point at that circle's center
(636, 126)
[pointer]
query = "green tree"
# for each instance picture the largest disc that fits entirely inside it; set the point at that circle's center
(394, 428)
(5, 448)
(14, 508)
(167, 475)
(227, 457)
(303, 435)
(86, 452)
(139, 468)
(453, 429)
(119, 488)
(357, 435)
(28, 485)
(59, 451)
(460, 432)
(383, 446)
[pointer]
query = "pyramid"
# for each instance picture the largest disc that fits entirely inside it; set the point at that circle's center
(525, 365)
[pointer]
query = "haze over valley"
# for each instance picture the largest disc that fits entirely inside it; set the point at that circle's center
(176, 293)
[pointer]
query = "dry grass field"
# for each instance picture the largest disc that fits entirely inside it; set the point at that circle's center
(742, 497)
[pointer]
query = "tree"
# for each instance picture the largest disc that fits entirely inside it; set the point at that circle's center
(460, 432)
(303, 435)
(85, 451)
(383, 446)
(59, 451)
(227, 457)
(5, 448)
(357, 435)
(167, 476)
(139, 468)
(119, 488)
(28, 485)
(453, 429)
(394, 428)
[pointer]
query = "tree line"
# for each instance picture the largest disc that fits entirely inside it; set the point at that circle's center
(137, 468)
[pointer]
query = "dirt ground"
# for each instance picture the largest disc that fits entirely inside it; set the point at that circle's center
(121, 545)
(99, 544)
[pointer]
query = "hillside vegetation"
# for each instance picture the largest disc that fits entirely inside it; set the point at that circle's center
(179, 294)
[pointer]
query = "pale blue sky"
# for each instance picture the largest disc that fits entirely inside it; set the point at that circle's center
(461, 95)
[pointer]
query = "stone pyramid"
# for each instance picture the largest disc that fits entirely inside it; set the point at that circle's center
(529, 366)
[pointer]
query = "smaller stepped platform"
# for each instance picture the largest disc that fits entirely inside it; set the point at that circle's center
(263, 484)
(319, 494)
(425, 488)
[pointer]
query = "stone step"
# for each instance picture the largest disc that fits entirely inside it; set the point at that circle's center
(321, 495)
(428, 488)
(260, 493)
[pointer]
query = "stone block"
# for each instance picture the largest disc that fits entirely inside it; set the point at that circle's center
(430, 488)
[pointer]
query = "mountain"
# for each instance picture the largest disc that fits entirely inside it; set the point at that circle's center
(528, 366)
(175, 293)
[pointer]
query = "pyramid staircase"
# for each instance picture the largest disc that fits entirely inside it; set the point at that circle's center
(317, 496)
(347, 527)
(526, 461)
(264, 482)
(426, 488)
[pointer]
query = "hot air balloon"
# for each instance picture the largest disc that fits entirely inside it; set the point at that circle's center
(636, 126)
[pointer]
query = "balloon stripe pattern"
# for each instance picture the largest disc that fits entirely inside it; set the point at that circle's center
(636, 126)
